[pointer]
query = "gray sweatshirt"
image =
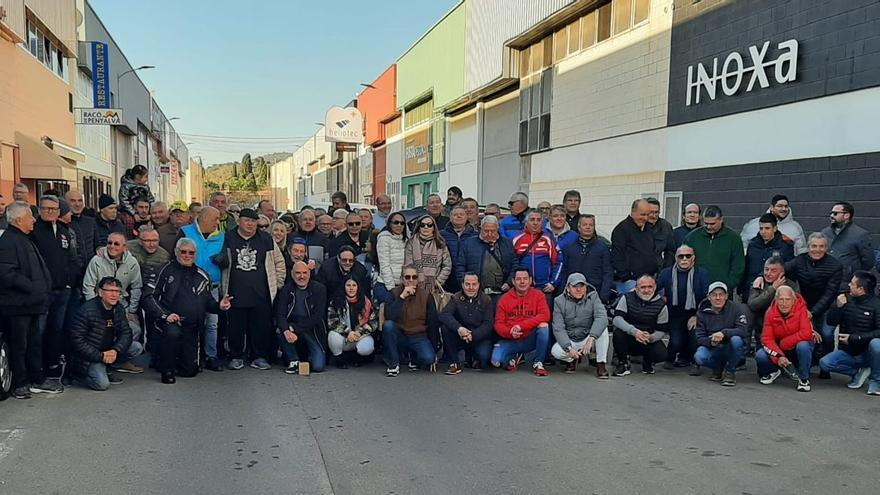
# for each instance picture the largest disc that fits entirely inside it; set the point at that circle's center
(576, 320)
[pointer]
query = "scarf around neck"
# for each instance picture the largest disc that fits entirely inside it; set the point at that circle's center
(691, 302)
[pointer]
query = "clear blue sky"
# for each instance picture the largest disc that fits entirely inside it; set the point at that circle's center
(260, 68)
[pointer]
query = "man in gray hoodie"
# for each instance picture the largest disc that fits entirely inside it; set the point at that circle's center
(115, 261)
(580, 321)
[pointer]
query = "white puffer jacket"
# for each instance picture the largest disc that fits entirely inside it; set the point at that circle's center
(390, 249)
(788, 226)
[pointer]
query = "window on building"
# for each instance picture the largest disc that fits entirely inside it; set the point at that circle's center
(46, 51)
(642, 10)
(604, 22)
(438, 144)
(622, 15)
(418, 114)
(536, 98)
(588, 30)
(392, 128)
(574, 36)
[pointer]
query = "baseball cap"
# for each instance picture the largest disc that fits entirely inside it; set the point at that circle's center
(249, 213)
(717, 285)
(576, 278)
(178, 205)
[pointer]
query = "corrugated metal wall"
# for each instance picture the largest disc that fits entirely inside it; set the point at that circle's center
(492, 22)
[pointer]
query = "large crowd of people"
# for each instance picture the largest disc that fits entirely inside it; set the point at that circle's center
(83, 293)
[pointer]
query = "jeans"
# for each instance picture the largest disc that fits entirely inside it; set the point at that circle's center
(538, 341)
(339, 344)
(52, 328)
(317, 354)
(453, 345)
(178, 350)
(600, 346)
(682, 341)
(624, 286)
(397, 343)
(210, 332)
(25, 349)
(845, 363)
(728, 354)
(625, 345)
(801, 355)
(96, 377)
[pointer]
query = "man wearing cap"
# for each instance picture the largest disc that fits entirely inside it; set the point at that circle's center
(107, 221)
(209, 240)
(54, 242)
(170, 230)
(641, 321)
(722, 334)
(779, 208)
(580, 321)
(253, 271)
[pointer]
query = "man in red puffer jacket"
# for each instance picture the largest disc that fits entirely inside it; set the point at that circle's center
(523, 322)
(787, 340)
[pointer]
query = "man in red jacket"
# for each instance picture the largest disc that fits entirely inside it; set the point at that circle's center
(787, 340)
(522, 319)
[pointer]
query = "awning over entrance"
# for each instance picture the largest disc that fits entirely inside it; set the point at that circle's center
(38, 161)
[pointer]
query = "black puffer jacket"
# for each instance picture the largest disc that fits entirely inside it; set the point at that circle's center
(476, 314)
(58, 251)
(819, 280)
(860, 318)
(86, 231)
(89, 330)
(25, 281)
(316, 302)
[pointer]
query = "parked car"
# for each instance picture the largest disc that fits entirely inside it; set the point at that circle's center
(5, 368)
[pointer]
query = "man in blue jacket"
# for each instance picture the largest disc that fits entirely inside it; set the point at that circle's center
(590, 255)
(488, 255)
(208, 237)
(514, 223)
(456, 232)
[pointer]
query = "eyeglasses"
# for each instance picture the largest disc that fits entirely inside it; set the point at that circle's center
(684, 256)
(410, 277)
(398, 222)
(836, 212)
(511, 203)
(187, 251)
(49, 208)
(346, 260)
(426, 225)
(354, 224)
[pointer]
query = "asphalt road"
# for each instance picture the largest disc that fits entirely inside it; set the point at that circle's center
(355, 431)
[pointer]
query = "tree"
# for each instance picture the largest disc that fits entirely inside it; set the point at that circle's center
(261, 171)
(247, 165)
(235, 169)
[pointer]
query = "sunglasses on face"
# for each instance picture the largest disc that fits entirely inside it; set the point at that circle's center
(346, 260)
(511, 203)
(836, 212)
(354, 224)
(398, 222)
(410, 277)
(426, 225)
(114, 243)
(187, 251)
(685, 256)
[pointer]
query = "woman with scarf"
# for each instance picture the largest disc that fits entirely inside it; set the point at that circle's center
(684, 285)
(390, 249)
(427, 251)
(351, 320)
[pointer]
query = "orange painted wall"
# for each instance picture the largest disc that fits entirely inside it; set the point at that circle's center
(376, 104)
(33, 101)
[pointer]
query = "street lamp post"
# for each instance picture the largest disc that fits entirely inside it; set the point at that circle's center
(129, 71)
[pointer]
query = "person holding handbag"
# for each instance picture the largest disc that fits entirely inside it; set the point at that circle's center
(427, 251)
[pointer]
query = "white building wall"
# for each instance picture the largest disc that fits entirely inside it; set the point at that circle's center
(500, 168)
(490, 23)
(616, 87)
(394, 171)
(461, 156)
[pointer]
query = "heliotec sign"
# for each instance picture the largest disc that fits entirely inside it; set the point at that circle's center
(733, 73)
(344, 125)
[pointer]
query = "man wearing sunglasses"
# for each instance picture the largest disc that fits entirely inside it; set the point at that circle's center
(684, 285)
(179, 298)
(848, 242)
(409, 317)
(354, 236)
(334, 272)
(115, 261)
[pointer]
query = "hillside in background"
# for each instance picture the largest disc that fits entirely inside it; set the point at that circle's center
(220, 173)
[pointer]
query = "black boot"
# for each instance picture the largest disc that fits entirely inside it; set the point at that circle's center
(168, 378)
(342, 362)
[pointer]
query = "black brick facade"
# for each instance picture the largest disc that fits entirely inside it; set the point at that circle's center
(812, 185)
(839, 49)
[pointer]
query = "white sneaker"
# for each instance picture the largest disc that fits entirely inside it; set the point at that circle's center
(859, 378)
(769, 379)
(392, 372)
(803, 385)
(292, 368)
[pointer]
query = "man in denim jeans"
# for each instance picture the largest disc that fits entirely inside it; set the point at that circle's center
(722, 333)
(787, 340)
(522, 320)
(100, 336)
(858, 315)
(409, 318)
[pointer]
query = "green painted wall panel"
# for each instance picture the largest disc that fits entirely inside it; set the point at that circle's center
(435, 62)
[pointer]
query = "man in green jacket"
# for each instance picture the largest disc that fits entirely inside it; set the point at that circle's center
(718, 248)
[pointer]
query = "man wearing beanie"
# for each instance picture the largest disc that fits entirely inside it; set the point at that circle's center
(781, 209)
(55, 245)
(106, 220)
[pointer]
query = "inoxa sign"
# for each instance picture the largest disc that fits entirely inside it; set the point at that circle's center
(736, 73)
